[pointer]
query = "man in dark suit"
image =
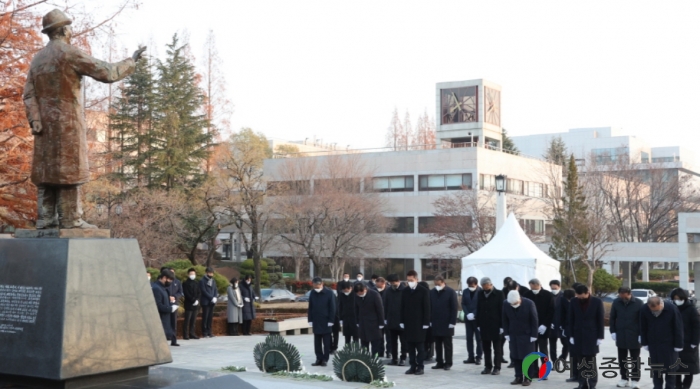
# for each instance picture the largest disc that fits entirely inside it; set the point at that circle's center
(415, 320)
(369, 312)
(469, 307)
(176, 293)
(520, 325)
(346, 311)
(321, 315)
(443, 318)
(625, 331)
(384, 347)
(555, 332)
(162, 297)
(662, 336)
(392, 319)
(544, 303)
(586, 331)
(192, 295)
(209, 291)
(490, 325)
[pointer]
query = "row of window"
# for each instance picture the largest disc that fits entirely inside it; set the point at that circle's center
(513, 186)
(429, 224)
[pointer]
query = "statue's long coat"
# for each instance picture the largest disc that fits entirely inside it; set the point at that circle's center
(53, 96)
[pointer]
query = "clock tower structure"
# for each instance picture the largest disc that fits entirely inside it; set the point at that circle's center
(469, 114)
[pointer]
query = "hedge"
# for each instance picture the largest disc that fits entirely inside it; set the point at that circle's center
(658, 287)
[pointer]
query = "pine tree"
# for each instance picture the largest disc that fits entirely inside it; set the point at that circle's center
(556, 151)
(132, 125)
(570, 237)
(508, 144)
(180, 137)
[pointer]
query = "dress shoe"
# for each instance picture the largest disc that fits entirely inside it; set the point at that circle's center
(438, 366)
(323, 364)
(470, 360)
(317, 363)
(411, 371)
(572, 380)
(511, 366)
(477, 361)
(517, 381)
(527, 382)
(447, 367)
(503, 360)
(194, 337)
(496, 372)
(175, 344)
(419, 372)
(393, 362)
(185, 338)
(486, 371)
(402, 362)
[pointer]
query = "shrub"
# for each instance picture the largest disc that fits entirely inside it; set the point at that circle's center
(180, 264)
(604, 282)
(248, 269)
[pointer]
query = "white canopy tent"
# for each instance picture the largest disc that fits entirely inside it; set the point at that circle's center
(510, 254)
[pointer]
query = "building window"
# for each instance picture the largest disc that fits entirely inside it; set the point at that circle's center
(425, 224)
(514, 186)
(645, 157)
(665, 159)
(534, 189)
(444, 182)
(534, 227)
(289, 188)
(610, 155)
(487, 182)
(393, 184)
(432, 267)
(401, 225)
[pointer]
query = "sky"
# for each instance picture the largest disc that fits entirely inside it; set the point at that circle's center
(336, 70)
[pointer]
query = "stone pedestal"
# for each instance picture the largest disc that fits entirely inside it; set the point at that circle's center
(77, 312)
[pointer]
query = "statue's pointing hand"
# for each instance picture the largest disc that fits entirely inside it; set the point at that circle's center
(36, 127)
(138, 53)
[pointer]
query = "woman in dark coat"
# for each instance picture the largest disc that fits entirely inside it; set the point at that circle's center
(691, 338)
(249, 298)
(346, 312)
(520, 324)
(369, 312)
(162, 298)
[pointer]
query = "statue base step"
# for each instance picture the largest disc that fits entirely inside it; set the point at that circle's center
(75, 383)
(62, 233)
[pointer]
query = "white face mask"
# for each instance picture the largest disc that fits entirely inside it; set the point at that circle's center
(555, 291)
(318, 290)
(438, 288)
(535, 291)
(472, 288)
(412, 285)
(679, 302)
(193, 276)
(359, 278)
(380, 289)
(247, 282)
(362, 295)
(346, 279)
(346, 293)
(515, 305)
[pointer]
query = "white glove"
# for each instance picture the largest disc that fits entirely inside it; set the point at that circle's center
(240, 306)
(341, 322)
(693, 346)
(196, 302)
(500, 331)
(598, 342)
(385, 322)
(451, 326)
(614, 336)
(431, 324)
(175, 308)
(330, 324)
(425, 327)
(552, 326)
(257, 298)
(563, 332)
(478, 329)
(571, 340)
(381, 327)
(646, 348)
(508, 338)
(311, 324)
(639, 339)
(533, 340)
(678, 349)
(246, 299)
(541, 330)
(470, 316)
(401, 325)
(357, 325)
(214, 300)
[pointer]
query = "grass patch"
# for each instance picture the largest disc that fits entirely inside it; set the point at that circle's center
(302, 376)
(234, 369)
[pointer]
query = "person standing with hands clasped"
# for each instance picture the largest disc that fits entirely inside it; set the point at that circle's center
(234, 308)
(520, 327)
(490, 325)
(192, 295)
(586, 331)
(415, 320)
(321, 317)
(624, 331)
(443, 318)
(369, 312)
(662, 336)
(209, 292)
(248, 294)
(469, 307)
(162, 297)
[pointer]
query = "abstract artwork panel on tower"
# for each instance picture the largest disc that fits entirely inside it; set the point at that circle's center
(459, 105)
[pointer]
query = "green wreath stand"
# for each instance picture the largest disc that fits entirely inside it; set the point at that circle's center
(355, 364)
(275, 354)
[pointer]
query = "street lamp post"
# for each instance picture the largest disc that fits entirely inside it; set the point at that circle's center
(501, 206)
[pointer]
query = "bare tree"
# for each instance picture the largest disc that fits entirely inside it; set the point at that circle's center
(424, 136)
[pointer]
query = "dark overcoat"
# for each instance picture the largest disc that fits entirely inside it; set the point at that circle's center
(192, 293)
(346, 313)
(544, 303)
(557, 301)
(160, 293)
(691, 336)
(624, 322)
(443, 311)
(53, 96)
(175, 290)
(415, 313)
(247, 291)
(208, 289)
(585, 327)
(392, 307)
(321, 310)
(564, 315)
(662, 334)
(489, 314)
(469, 303)
(520, 324)
(369, 311)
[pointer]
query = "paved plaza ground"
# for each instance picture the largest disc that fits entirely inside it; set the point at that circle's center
(212, 354)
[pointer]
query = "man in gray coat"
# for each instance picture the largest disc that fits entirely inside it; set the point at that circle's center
(625, 331)
(520, 327)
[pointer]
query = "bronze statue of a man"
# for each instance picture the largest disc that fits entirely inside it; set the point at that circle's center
(54, 103)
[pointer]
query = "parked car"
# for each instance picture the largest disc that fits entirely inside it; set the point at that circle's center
(609, 298)
(277, 296)
(643, 294)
